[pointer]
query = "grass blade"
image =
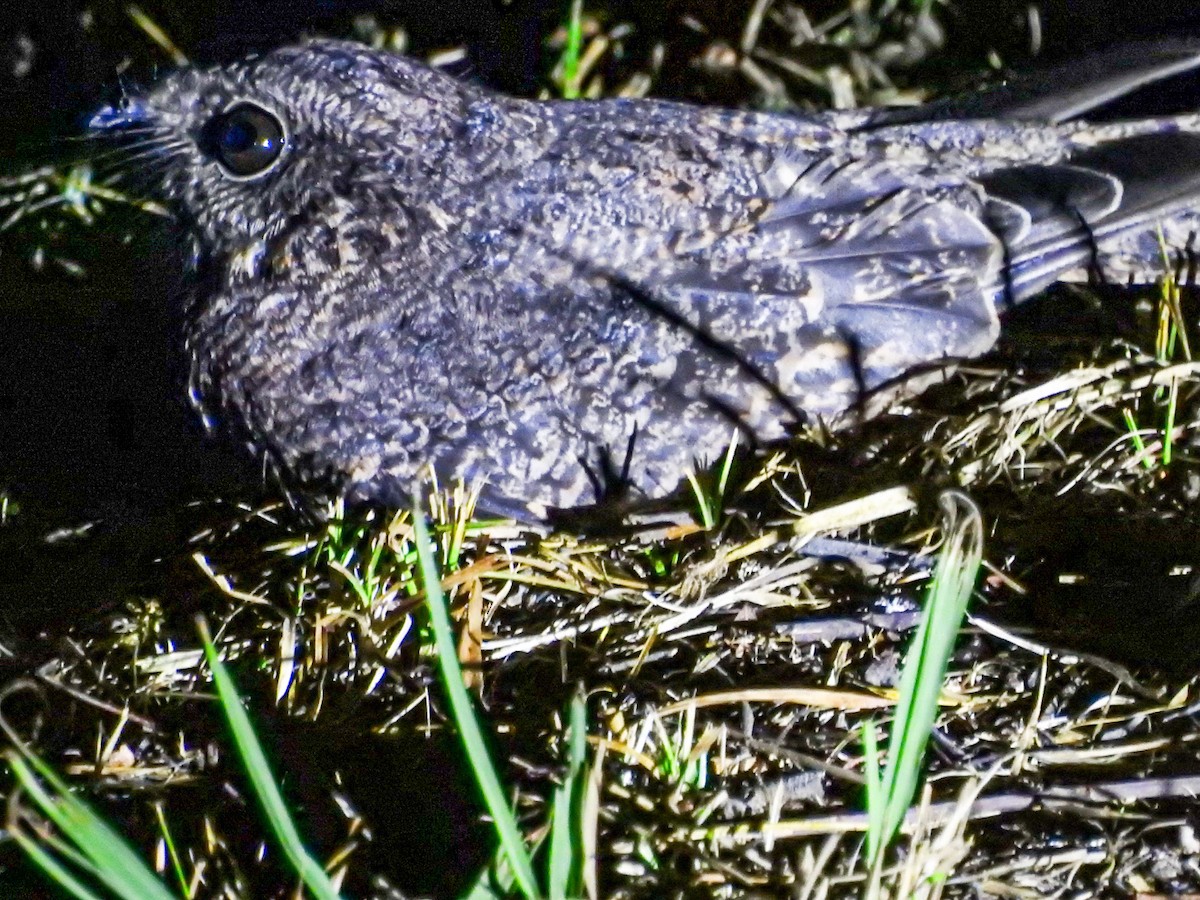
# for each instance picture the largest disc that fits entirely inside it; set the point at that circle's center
(571, 53)
(103, 852)
(263, 783)
(876, 801)
(925, 664)
(463, 710)
(566, 836)
(53, 868)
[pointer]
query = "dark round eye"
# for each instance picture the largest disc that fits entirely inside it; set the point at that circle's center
(245, 139)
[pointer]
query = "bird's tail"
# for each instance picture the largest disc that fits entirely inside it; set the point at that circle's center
(1124, 210)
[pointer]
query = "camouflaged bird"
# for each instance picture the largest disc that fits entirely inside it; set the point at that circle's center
(397, 270)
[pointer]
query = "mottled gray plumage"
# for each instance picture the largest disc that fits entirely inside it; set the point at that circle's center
(412, 271)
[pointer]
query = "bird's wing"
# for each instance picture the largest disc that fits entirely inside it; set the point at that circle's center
(856, 270)
(859, 269)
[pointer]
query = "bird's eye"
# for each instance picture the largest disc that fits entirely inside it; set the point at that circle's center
(245, 139)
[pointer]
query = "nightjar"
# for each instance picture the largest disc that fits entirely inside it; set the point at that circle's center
(395, 270)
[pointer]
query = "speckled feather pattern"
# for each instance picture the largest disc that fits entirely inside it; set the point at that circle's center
(505, 290)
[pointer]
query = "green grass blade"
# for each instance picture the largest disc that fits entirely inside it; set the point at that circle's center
(172, 853)
(928, 658)
(565, 874)
(708, 517)
(104, 853)
(496, 879)
(263, 783)
(1138, 444)
(876, 801)
(53, 868)
(571, 53)
(463, 711)
(727, 466)
(1168, 431)
(493, 883)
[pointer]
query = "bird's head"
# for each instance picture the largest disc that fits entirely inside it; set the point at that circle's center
(241, 152)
